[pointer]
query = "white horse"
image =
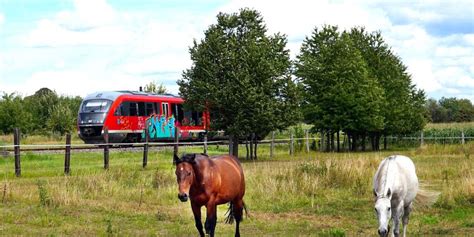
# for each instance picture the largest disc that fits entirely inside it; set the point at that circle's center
(395, 188)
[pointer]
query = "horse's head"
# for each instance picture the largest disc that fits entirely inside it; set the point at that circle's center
(384, 211)
(184, 174)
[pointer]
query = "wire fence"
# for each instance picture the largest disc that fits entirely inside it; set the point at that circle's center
(307, 143)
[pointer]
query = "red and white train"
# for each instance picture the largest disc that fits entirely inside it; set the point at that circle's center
(127, 113)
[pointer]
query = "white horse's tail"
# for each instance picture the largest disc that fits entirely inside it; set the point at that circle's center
(426, 198)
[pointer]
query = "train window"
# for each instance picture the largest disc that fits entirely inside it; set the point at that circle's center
(141, 108)
(92, 106)
(192, 118)
(180, 112)
(157, 108)
(164, 109)
(133, 109)
(123, 109)
(149, 109)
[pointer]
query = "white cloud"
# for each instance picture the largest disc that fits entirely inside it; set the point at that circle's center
(51, 34)
(422, 74)
(79, 82)
(111, 49)
(88, 14)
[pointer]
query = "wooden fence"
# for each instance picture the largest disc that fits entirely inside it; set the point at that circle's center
(304, 144)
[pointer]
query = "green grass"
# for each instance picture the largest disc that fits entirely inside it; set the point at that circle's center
(463, 125)
(315, 194)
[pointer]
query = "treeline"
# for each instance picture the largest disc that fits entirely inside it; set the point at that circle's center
(354, 83)
(342, 81)
(43, 113)
(448, 110)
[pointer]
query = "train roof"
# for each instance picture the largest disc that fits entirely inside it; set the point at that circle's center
(113, 95)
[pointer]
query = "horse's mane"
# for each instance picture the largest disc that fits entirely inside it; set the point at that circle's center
(382, 176)
(189, 158)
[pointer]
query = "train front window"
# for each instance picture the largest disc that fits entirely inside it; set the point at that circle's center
(96, 106)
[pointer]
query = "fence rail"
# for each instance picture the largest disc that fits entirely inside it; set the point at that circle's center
(302, 142)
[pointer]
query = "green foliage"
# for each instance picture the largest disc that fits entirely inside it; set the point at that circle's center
(333, 233)
(42, 113)
(403, 105)
(44, 198)
(153, 87)
(14, 113)
(242, 75)
(339, 92)
(430, 220)
(354, 83)
(450, 110)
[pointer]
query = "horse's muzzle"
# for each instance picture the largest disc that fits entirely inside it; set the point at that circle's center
(383, 232)
(183, 197)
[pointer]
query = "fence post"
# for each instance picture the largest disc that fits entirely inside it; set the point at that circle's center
(272, 145)
(462, 137)
(145, 148)
(106, 148)
(291, 144)
(176, 141)
(307, 140)
(205, 143)
(67, 155)
(16, 141)
(422, 139)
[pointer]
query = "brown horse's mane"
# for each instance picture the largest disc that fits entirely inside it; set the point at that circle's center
(189, 158)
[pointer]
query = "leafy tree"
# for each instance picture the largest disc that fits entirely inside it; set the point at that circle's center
(39, 105)
(63, 115)
(339, 93)
(457, 110)
(242, 76)
(153, 87)
(44, 112)
(403, 106)
(14, 114)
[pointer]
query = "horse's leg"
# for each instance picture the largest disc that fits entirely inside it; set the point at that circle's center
(211, 218)
(197, 218)
(396, 214)
(238, 206)
(406, 214)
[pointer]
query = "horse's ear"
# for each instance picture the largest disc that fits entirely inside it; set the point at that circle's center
(193, 159)
(176, 159)
(389, 194)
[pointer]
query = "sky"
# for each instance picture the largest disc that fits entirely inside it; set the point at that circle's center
(77, 47)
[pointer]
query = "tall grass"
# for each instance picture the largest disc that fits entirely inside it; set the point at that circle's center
(325, 194)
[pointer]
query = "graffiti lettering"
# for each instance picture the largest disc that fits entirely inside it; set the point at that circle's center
(160, 127)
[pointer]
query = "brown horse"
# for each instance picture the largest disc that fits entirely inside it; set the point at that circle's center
(211, 181)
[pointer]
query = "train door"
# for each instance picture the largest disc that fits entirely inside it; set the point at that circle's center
(164, 109)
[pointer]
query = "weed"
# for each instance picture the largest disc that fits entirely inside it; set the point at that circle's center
(44, 198)
(430, 220)
(109, 230)
(333, 233)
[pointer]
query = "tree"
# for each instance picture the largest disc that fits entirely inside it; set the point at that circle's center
(242, 76)
(14, 114)
(457, 110)
(403, 106)
(153, 87)
(339, 93)
(39, 105)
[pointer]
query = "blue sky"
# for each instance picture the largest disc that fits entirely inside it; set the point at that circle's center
(76, 47)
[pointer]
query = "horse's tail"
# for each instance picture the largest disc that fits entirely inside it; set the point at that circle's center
(426, 198)
(230, 215)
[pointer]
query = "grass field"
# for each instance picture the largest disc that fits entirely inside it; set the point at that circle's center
(316, 194)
